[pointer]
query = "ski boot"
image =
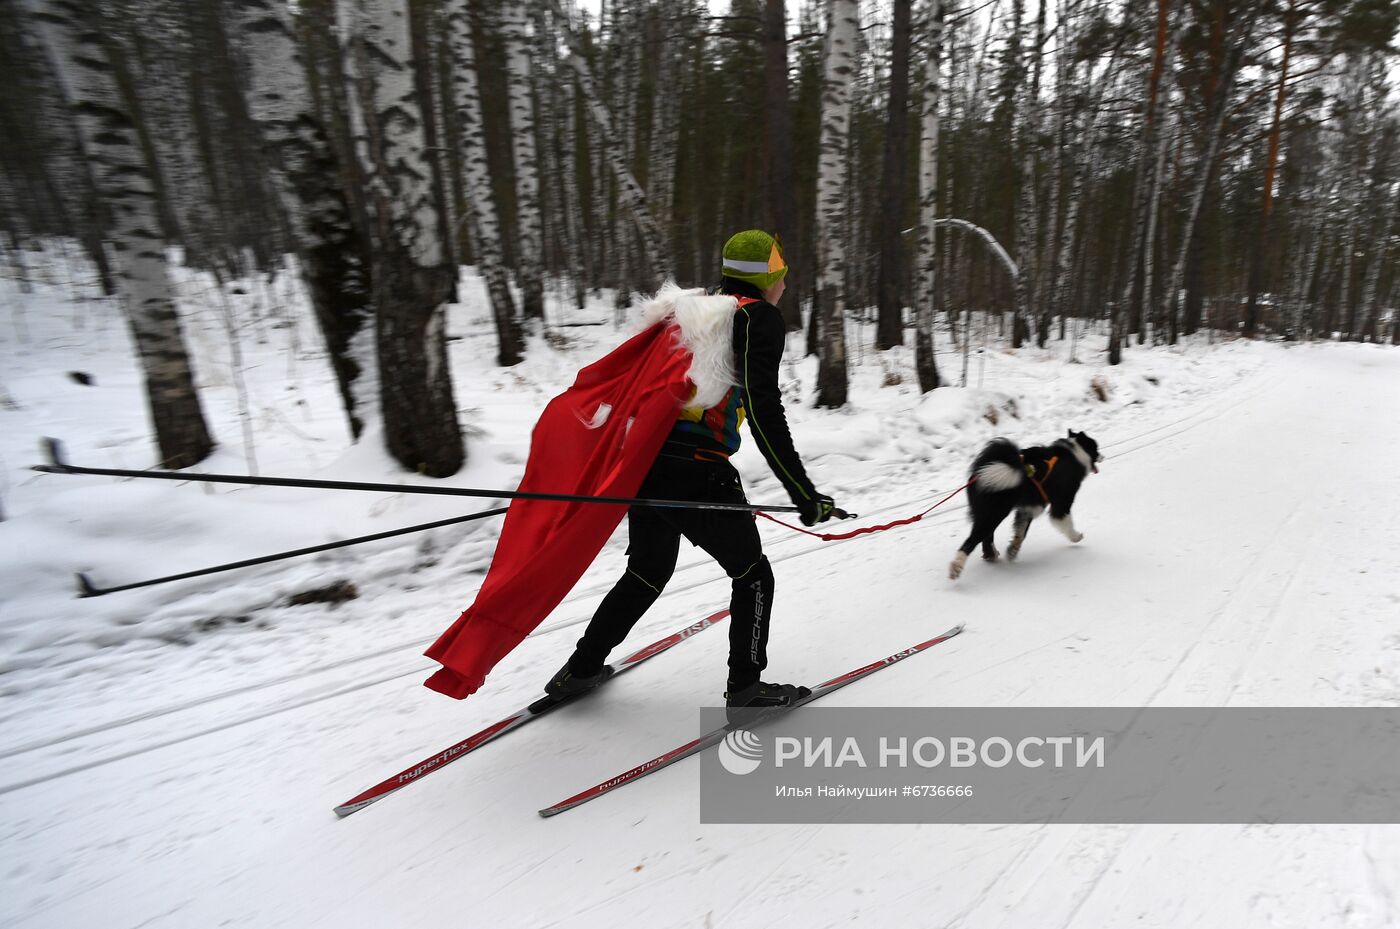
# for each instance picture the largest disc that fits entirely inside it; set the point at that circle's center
(566, 685)
(761, 696)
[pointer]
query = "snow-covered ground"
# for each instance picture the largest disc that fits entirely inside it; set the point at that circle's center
(169, 756)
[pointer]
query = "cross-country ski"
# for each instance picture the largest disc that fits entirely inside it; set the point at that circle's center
(713, 737)
(525, 715)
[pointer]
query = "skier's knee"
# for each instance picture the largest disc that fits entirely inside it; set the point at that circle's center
(652, 566)
(654, 577)
(759, 572)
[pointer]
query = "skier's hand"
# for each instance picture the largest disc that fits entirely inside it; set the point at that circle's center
(816, 509)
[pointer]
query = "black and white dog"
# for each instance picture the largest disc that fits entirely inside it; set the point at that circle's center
(1027, 480)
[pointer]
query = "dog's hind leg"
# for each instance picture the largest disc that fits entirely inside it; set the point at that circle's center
(982, 528)
(991, 521)
(955, 568)
(1024, 515)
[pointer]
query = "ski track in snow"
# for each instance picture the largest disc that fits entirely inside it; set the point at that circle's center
(1247, 504)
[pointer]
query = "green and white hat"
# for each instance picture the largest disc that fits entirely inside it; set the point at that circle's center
(754, 256)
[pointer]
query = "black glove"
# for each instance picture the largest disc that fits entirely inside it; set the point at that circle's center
(816, 509)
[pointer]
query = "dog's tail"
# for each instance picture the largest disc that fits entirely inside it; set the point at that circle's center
(998, 467)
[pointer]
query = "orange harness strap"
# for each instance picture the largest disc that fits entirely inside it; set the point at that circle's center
(1030, 473)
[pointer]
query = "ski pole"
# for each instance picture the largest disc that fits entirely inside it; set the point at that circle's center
(57, 465)
(86, 588)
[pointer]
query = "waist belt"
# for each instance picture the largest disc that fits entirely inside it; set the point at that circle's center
(686, 451)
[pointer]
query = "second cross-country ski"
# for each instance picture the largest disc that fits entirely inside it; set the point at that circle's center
(714, 736)
(514, 721)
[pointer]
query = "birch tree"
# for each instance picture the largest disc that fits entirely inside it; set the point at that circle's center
(630, 192)
(483, 228)
(412, 276)
(77, 33)
(782, 180)
(926, 265)
(334, 256)
(528, 220)
(890, 324)
(843, 25)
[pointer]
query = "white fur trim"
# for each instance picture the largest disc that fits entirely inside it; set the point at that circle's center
(996, 476)
(706, 330)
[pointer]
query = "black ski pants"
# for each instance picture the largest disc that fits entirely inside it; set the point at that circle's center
(728, 536)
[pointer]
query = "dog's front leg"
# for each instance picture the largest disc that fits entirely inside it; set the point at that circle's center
(1065, 524)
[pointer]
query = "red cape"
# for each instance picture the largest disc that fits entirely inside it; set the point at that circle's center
(598, 438)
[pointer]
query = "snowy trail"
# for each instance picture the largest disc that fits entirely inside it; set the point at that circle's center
(1219, 545)
(695, 572)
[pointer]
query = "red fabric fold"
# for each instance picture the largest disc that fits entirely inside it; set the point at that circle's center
(598, 438)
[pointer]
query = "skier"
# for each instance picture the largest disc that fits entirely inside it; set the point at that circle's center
(694, 465)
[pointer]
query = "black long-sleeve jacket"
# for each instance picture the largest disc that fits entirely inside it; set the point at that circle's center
(759, 337)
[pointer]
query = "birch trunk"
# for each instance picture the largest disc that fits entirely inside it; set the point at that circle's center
(843, 25)
(629, 191)
(334, 258)
(926, 293)
(571, 200)
(75, 33)
(1022, 142)
(1167, 137)
(483, 228)
(411, 273)
(889, 330)
(528, 219)
(782, 183)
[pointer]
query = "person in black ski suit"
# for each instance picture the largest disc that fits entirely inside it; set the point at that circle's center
(694, 465)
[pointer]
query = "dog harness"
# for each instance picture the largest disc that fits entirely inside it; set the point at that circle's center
(1030, 473)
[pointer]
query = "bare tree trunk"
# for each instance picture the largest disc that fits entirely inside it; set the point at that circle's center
(571, 205)
(1380, 248)
(1023, 148)
(1261, 243)
(656, 254)
(782, 185)
(843, 21)
(1205, 174)
(122, 175)
(482, 225)
(665, 130)
(1048, 304)
(926, 294)
(412, 275)
(889, 330)
(1127, 311)
(529, 225)
(334, 258)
